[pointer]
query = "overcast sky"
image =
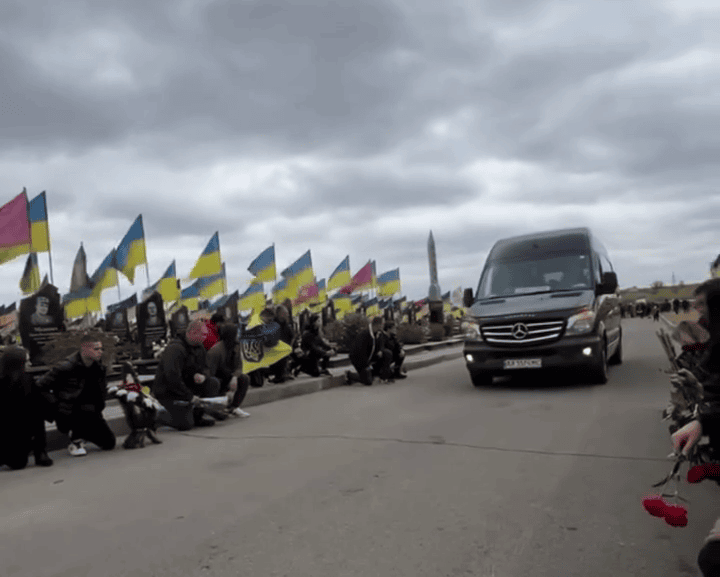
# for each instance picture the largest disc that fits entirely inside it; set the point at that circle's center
(355, 127)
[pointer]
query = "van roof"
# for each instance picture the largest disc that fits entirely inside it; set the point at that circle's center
(563, 241)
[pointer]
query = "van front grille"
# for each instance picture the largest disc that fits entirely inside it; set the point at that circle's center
(523, 332)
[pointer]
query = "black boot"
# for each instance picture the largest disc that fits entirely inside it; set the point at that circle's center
(42, 459)
(132, 441)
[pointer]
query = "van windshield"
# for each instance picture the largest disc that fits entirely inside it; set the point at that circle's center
(511, 277)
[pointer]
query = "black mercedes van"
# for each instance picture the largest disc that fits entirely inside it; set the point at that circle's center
(545, 301)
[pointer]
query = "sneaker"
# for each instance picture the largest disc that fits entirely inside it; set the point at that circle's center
(205, 421)
(43, 460)
(400, 376)
(77, 448)
(238, 412)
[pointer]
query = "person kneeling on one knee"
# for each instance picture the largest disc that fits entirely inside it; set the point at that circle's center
(79, 385)
(180, 381)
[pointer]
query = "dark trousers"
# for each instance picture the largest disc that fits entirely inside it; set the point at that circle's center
(364, 376)
(313, 364)
(281, 369)
(19, 440)
(92, 427)
(182, 415)
(381, 366)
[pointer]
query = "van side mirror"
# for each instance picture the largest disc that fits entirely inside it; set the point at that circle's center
(468, 298)
(609, 284)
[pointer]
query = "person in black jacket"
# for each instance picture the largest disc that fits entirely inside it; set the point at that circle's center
(224, 362)
(366, 351)
(180, 381)
(22, 426)
(317, 350)
(396, 349)
(282, 369)
(79, 385)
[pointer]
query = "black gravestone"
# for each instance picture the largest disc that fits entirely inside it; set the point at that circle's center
(41, 317)
(151, 323)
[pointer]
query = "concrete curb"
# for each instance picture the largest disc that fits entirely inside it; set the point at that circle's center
(268, 394)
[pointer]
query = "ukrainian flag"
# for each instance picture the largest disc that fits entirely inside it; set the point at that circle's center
(280, 291)
(263, 267)
(131, 251)
(299, 274)
(106, 274)
(212, 285)
(15, 231)
(322, 292)
(30, 281)
(253, 298)
(40, 233)
(372, 308)
(209, 262)
(81, 302)
(261, 347)
(343, 305)
(190, 297)
(168, 286)
(389, 283)
(341, 275)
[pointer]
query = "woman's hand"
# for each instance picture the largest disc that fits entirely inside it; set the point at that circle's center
(199, 379)
(684, 378)
(685, 438)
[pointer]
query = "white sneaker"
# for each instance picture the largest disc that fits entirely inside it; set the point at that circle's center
(77, 449)
(238, 412)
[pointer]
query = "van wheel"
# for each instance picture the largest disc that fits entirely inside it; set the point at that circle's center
(481, 380)
(616, 359)
(599, 372)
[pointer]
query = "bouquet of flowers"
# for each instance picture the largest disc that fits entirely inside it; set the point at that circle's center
(139, 406)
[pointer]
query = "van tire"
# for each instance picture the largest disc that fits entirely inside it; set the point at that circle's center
(616, 359)
(599, 371)
(481, 380)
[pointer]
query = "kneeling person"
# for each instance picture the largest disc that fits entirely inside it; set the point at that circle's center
(79, 384)
(180, 382)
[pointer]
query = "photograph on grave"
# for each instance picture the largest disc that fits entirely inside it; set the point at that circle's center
(41, 317)
(151, 323)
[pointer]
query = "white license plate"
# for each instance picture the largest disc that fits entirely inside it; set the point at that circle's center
(523, 363)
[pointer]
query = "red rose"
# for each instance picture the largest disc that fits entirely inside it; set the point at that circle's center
(696, 474)
(676, 516)
(655, 505)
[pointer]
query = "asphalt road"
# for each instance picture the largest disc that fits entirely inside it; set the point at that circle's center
(423, 477)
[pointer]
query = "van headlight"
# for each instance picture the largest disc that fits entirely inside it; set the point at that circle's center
(580, 323)
(471, 330)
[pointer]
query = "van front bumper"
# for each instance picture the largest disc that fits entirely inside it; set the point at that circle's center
(579, 352)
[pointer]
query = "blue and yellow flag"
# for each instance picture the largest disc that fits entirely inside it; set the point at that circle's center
(106, 274)
(341, 275)
(280, 291)
(298, 274)
(372, 308)
(40, 232)
(131, 250)
(30, 281)
(212, 285)
(263, 267)
(253, 298)
(261, 347)
(209, 262)
(389, 283)
(322, 292)
(190, 297)
(81, 302)
(168, 285)
(343, 306)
